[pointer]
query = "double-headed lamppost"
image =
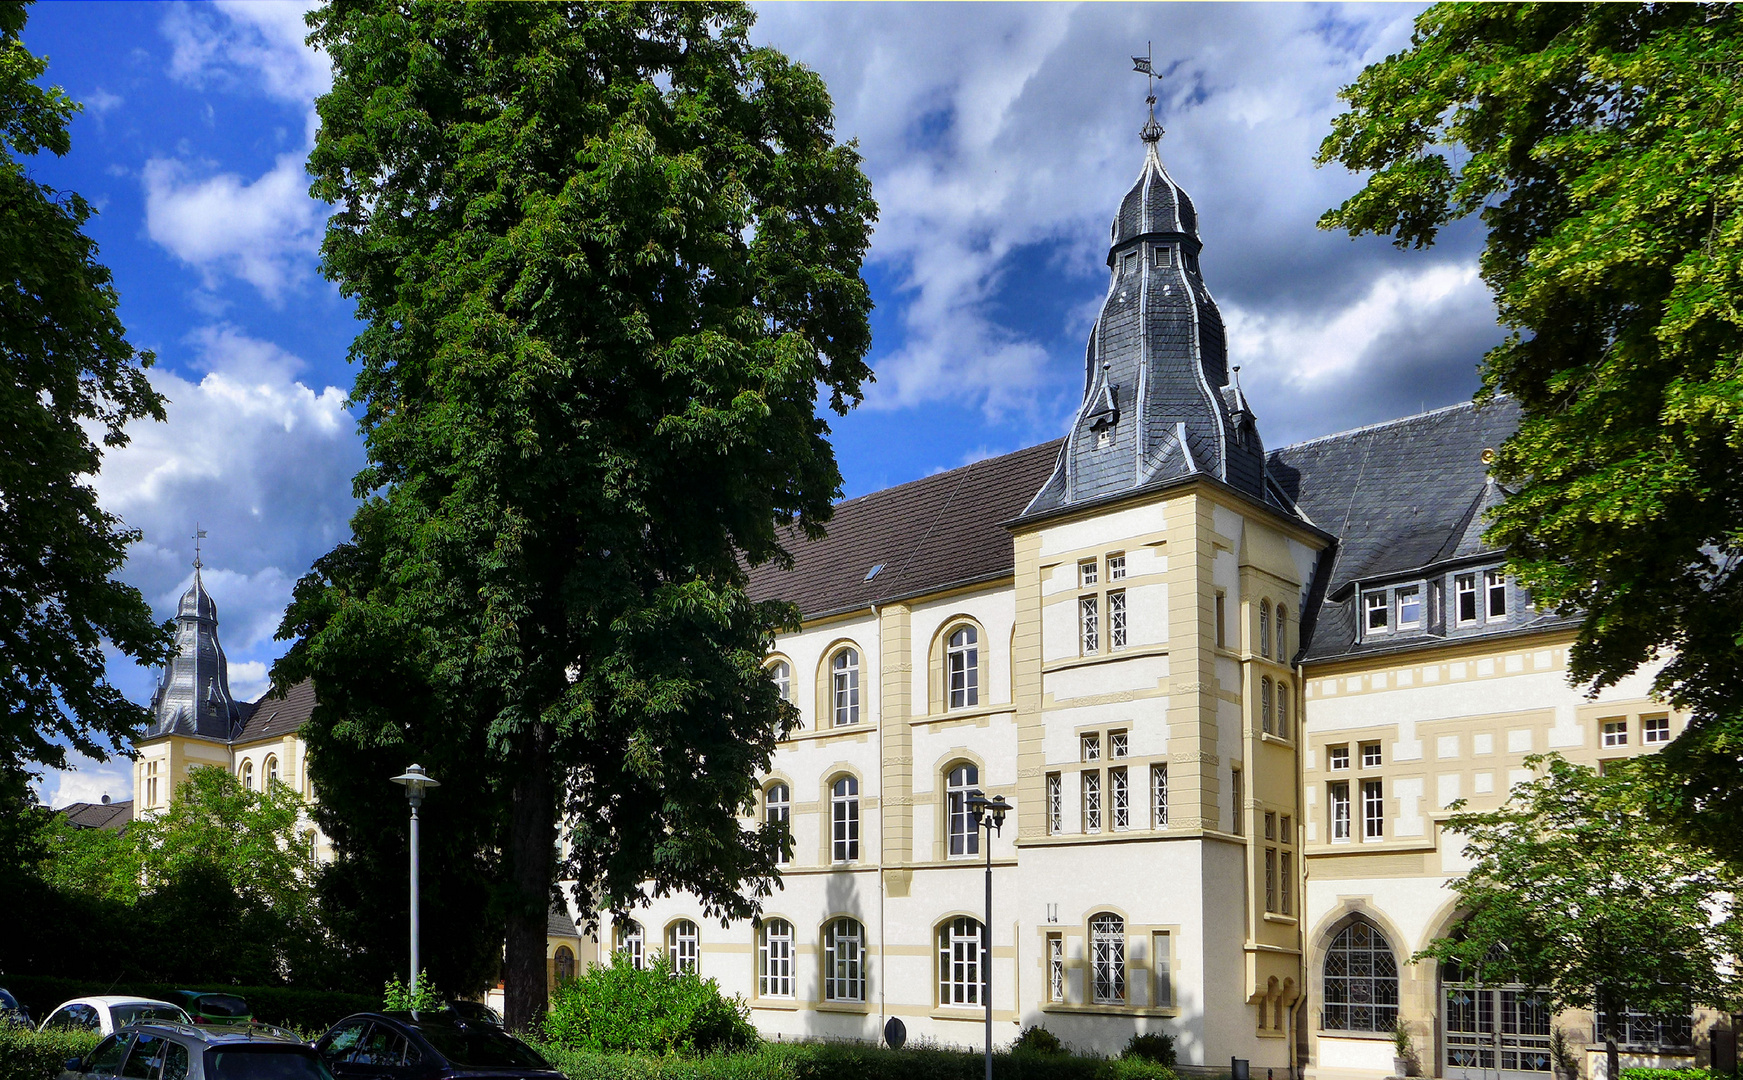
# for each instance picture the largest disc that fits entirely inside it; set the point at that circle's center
(989, 814)
(416, 782)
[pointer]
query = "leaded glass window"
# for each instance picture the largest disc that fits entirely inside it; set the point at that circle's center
(1361, 981)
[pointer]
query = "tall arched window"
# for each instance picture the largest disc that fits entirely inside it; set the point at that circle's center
(271, 772)
(631, 943)
(1265, 705)
(565, 964)
(1107, 958)
(782, 673)
(683, 944)
(1282, 709)
(1361, 981)
(775, 959)
(247, 774)
(1264, 628)
(964, 834)
(959, 962)
(778, 808)
(843, 960)
(844, 819)
(1282, 634)
(962, 662)
(844, 687)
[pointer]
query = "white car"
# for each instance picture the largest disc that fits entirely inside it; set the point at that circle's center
(108, 1012)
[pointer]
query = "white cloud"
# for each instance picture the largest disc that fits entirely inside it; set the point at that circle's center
(264, 231)
(88, 781)
(100, 101)
(255, 44)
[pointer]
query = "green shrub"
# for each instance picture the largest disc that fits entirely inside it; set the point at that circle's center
(1151, 1046)
(1667, 1074)
(651, 1011)
(1038, 1040)
(848, 1061)
(286, 1006)
(25, 1055)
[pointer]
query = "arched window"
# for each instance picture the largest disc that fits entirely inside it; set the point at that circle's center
(964, 834)
(843, 960)
(1282, 709)
(565, 964)
(962, 664)
(631, 943)
(683, 945)
(1361, 981)
(247, 774)
(1282, 635)
(959, 962)
(775, 959)
(1107, 958)
(1264, 628)
(271, 771)
(844, 687)
(778, 808)
(1265, 705)
(782, 673)
(844, 819)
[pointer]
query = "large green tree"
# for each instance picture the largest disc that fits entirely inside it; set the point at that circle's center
(1602, 147)
(607, 256)
(69, 375)
(1574, 888)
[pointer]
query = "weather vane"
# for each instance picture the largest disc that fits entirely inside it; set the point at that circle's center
(1146, 66)
(199, 534)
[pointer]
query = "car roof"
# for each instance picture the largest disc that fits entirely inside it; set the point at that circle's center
(222, 1033)
(116, 999)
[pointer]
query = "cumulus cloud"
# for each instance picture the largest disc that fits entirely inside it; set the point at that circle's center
(257, 45)
(265, 231)
(88, 780)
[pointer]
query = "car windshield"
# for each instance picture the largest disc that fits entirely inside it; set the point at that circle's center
(221, 1005)
(264, 1063)
(8, 1003)
(481, 1046)
(135, 1011)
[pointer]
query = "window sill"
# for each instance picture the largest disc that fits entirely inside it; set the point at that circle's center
(1104, 656)
(1286, 920)
(856, 1007)
(976, 712)
(1366, 1036)
(1276, 740)
(778, 1004)
(843, 732)
(1110, 1010)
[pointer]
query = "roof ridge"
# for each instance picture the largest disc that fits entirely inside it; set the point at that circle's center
(1363, 430)
(947, 472)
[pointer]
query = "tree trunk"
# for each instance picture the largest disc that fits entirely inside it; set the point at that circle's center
(532, 845)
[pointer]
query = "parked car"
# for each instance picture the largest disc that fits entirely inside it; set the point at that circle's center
(12, 1013)
(428, 1046)
(160, 1049)
(215, 1007)
(107, 1013)
(475, 1012)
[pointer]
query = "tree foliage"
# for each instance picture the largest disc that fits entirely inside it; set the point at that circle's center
(606, 257)
(1576, 889)
(1602, 146)
(70, 373)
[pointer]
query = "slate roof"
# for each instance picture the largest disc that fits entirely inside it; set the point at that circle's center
(558, 924)
(932, 534)
(193, 696)
(114, 816)
(271, 718)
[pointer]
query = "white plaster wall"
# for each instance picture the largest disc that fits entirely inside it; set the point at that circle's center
(1113, 530)
(996, 611)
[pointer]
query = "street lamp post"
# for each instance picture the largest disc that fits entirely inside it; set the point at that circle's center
(416, 782)
(989, 814)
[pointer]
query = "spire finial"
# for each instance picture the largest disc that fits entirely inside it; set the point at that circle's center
(199, 534)
(1145, 65)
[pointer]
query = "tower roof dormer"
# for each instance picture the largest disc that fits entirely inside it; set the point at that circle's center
(1155, 404)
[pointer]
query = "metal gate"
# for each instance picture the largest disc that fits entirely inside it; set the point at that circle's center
(1494, 1032)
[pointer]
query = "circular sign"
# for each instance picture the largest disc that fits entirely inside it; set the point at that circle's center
(895, 1033)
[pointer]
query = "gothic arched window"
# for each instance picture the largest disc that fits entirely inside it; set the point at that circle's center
(1361, 981)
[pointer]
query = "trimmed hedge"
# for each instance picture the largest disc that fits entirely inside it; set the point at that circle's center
(1668, 1074)
(305, 1010)
(848, 1061)
(25, 1055)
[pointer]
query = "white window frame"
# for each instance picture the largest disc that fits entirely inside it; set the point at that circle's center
(962, 663)
(1119, 744)
(844, 819)
(1116, 619)
(1465, 585)
(683, 946)
(1282, 637)
(632, 941)
(959, 960)
(1271, 880)
(844, 960)
(1162, 958)
(962, 835)
(1090, 746)
(269, 772)
(1374, 603)
(1616, 732)
(1265, 628)
(1089, 624)
(1117, 566)
(844, 687)
(1107, 959)
(775, 959)
(1120, 794)
(1055, 804)
(1372, 755)
(1494, 589)
(1337, 758)
(1056, 968)
(1654, 729)
(1265, 704)
(778, 807)
(1411, 596)
(1338, 805)
(1282, 709)
(1373, 810)
(782, 673)
(1159, 795)
(1285, 870)
(1090, 782)
(1087, 577)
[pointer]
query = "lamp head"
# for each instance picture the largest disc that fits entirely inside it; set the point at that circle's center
(988, 812)
(416, 782)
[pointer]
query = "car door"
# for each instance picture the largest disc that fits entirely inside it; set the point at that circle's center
(145, 1060)
(340, 1044)
(74, 1017)
(384, 1053)
(104, 1062)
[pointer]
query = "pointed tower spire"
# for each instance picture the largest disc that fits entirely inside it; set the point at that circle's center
(1157, 406)
(193, 697)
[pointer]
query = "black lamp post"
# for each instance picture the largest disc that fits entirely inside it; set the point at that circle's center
(989, 814)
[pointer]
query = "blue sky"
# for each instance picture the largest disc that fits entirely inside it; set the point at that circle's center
(998, 139)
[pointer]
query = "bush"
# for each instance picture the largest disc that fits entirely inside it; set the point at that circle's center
(1667, 1074)
(1151, 1046)
(25, 1055)
(286, 1006)
(653, 1011)
(848, 1061)
(1038, 1040)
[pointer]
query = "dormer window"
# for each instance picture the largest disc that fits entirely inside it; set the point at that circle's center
(1410, 606)
(1495, 584)
(1375, 603)
(1164, 256)
(1129, 264)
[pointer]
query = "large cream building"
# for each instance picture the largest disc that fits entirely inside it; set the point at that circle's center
(1230, 692)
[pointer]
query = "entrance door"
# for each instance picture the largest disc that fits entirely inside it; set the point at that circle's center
(1494, 1032)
